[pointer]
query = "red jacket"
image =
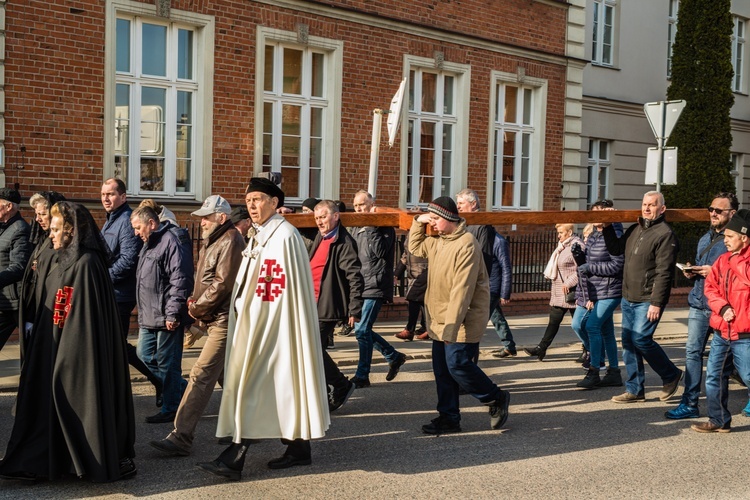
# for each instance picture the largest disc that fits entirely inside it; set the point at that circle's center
(728, 285)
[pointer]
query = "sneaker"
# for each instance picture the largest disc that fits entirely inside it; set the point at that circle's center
(405, 334)
(590, 381)
(668, 389)
(612, 378)
(441, 425)
(536, 351)
(346, 330)
(682, 411)
(499, 410)
(504, 353)
(423, 336)
(709, 427)
(626, 397)
(360, 383)
(192, 335)
(746, 410)
(338, 396)
(395, 367)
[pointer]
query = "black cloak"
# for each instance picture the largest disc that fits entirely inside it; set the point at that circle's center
(74, 412)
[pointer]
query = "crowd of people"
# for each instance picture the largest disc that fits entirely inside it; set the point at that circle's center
(268, 298)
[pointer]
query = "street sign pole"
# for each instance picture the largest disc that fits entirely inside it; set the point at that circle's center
(662, 116)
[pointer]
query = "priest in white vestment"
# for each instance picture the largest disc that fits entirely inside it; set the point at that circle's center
(274, 384)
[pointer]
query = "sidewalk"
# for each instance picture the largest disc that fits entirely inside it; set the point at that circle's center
(527, 331)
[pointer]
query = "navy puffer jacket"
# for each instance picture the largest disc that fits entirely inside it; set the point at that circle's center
(603, 279)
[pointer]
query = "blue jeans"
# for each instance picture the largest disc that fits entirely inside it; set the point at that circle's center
(724, 354)
(454, 368)
(596, 329)
(368, 339)
(161, 351)
(638, 344)
(695, 348)
(501, 324)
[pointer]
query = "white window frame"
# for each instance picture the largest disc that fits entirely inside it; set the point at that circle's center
(202, 86)
(331, 100)
(739, 36)
(674, 9)
(595, 167)
(461, 74)
(737, 172)
(598, 41)
(537, 131)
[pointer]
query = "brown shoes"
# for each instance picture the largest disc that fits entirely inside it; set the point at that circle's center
(405, 334)
(709, 427)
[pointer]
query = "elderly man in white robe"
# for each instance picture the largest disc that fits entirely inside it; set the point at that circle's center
(274, 385)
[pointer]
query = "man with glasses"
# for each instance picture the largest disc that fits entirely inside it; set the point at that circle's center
(710, 247)
(650, 250)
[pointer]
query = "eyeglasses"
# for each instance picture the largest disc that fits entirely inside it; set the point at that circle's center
(718, 211)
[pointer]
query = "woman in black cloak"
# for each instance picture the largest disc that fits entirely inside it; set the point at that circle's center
(74, 412)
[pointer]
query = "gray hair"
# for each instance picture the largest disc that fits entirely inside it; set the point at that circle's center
(655, 193)
(471, 196)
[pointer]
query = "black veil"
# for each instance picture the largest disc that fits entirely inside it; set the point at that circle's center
(85, 235)
(37, 233)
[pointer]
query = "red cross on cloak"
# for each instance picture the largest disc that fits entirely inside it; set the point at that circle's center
(271, 281)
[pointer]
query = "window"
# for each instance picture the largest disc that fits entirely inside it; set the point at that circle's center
(299, 112)
(432, 135)
(158, 95)
(674, 6)
(603, 33)
(738, 53)
(516, 141)
(598, 174)
(737, 172)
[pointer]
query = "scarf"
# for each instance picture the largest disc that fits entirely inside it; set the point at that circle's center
(551, 271)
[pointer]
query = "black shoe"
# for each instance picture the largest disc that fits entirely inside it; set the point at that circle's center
(441, 425)
(161, 418)
(590, 381)
(21, 476)
(499, 410)
(504, 353)
(346, 330)
(360, 383)
(127, 468)
(395, 367)
(168, 447)
(583, 357)
(286, 461)
(219, 468)
(338, 396)
(612, 378)
(159, 395)
(536, 351)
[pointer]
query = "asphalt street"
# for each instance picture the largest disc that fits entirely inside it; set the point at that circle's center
(559, 441)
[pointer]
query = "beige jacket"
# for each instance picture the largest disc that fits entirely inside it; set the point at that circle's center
(457, 300)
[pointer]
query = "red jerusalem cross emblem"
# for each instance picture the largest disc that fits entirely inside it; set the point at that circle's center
(271, 281)
(63, 299)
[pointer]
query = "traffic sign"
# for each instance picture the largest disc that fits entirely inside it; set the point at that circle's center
(663, 115)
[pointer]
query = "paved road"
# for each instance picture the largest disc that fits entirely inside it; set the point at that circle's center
(560, 442)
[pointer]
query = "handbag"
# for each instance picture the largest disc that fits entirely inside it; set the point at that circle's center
(570, 297)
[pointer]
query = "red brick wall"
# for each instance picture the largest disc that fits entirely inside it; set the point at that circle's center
(55, 85)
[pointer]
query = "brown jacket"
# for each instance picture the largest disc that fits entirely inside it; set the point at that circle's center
(218, 263)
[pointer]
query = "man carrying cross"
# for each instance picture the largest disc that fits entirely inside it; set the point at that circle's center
(274, 384)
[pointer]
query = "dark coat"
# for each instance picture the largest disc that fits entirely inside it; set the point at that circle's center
(165, 278)
(15, 251)
(376, 246)
(603, 280)
(124, 246)
(501, 274)
(485, 235)
(341, 284)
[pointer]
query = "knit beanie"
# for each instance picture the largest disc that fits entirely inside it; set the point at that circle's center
(445, 207)
(740, 222)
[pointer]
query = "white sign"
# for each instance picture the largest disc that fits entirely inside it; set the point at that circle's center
(663, 120)
(669, 169)
(394, 115)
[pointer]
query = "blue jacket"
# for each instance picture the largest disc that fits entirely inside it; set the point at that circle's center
(501, 274)
(165, 278)
(697, 298)
(124, 246)
(603, 279)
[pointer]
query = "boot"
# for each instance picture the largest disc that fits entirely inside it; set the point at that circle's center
(612, 378)
(590, 381)
(230, 463)
(583, 357)
(537, 351)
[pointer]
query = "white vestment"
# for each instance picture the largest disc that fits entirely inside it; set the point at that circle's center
(274, 383)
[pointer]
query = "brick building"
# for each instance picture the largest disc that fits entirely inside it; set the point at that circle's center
(185, 98)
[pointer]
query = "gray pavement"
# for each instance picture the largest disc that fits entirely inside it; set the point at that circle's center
(559, 442)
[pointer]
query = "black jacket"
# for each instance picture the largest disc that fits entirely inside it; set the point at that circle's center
(341, 284)
(650, 249)
(15, 251)
(376, 246)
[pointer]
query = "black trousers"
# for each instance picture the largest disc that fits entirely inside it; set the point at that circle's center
(556, 315)
(334, 377)
(8, 323)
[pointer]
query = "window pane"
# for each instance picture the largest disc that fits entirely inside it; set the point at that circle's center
(316, 122)
(410, 163)
(291, 116)
(154, 51)
(152, 121)
(511, 98)
(429, 88)
(411, 90)
(509, 151)
(122, 131)
(317, 74)
(268, 71)
(291, 180)
(267, 134)
(527, 106)
(426, 162)
(185, 54)
(152, 174)
(123, 45)
(447, 150)
(292, 71)
(290, 147)
(448, 95)
(184, 141)
(315, 187)
(603, 150)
